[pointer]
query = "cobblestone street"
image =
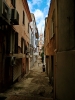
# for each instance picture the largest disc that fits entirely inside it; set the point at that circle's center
(35, 84)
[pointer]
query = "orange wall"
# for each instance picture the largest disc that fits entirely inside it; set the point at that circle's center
(50, 44)
(21, 29)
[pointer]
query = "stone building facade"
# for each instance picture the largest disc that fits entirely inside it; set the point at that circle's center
(14, 41)
(60, 48)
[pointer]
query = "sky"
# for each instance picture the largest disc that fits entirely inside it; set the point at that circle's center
(40, 9)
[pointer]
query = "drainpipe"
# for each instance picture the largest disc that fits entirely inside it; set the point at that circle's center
(74, 22)
(69, 27)
(55, 62)
(56, 25)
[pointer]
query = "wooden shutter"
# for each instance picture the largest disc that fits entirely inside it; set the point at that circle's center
(13, 2)
(23, 18)
(16, 42)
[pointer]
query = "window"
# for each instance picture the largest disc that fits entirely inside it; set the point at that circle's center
(11, 41)
(13, 2)
(16, 42)
(5, 10)
(23, 46)
(28, 27)
(52, 24)
(23, 18)
(52, 28)
(8, 40)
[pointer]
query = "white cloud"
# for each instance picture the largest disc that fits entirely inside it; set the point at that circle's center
(39, 15)
(48, 3)
(41, 26)
(46, 9)
(30, 6)
(34, 2)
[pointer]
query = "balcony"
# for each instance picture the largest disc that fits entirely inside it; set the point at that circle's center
(14, 17)
(4, 13)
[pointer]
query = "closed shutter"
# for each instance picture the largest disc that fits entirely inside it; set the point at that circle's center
(8, 43)
(21, 45)
(13, 41)
(16, 42)
(23, 18)
(17, 69)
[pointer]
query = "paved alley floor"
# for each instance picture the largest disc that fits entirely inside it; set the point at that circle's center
(35, 84)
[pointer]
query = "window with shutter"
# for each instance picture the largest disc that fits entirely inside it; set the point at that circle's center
(23, 18)
(28, 27)
(13, 2)
(16, 42)
(8, 42)
(21, 45)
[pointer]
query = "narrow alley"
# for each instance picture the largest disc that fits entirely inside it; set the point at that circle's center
(37, 49)
(34, 85)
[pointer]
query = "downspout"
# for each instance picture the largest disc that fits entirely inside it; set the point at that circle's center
(55, 60)
(74, 24)
(56, 26)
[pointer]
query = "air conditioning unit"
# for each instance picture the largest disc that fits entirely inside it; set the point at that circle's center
(14, 17)
(5, 12)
